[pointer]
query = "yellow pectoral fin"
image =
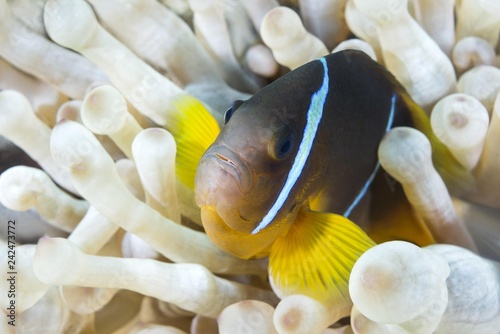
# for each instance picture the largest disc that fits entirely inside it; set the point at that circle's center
(316, 256)
(194, 130)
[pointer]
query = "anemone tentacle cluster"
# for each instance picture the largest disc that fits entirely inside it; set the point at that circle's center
(109, 240)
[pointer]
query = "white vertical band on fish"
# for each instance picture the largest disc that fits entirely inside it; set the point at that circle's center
(314, 115)
(377, 166)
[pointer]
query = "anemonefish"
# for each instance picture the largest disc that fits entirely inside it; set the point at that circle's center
(294, 173)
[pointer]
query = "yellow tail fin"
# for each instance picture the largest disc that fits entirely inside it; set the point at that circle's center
(315, 258)
(194, 130)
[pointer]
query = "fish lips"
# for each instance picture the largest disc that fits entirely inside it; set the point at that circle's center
(217, 164)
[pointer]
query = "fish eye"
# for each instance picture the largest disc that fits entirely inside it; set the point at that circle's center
(230, 111)
(282, 144)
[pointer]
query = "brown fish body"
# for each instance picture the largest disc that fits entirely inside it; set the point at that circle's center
(241, 177)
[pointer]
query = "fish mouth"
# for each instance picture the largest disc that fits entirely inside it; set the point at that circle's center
(230, 162)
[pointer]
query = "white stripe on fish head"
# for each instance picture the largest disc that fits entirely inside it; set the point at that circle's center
(314, 116)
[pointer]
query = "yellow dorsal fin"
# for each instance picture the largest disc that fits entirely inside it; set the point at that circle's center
(194, 130)
(457, 178)
(316, 256)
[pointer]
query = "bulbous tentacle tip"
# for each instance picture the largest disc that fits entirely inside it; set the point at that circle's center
(389, 275)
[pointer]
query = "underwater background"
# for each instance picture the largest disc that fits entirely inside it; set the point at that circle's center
(106, 108)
